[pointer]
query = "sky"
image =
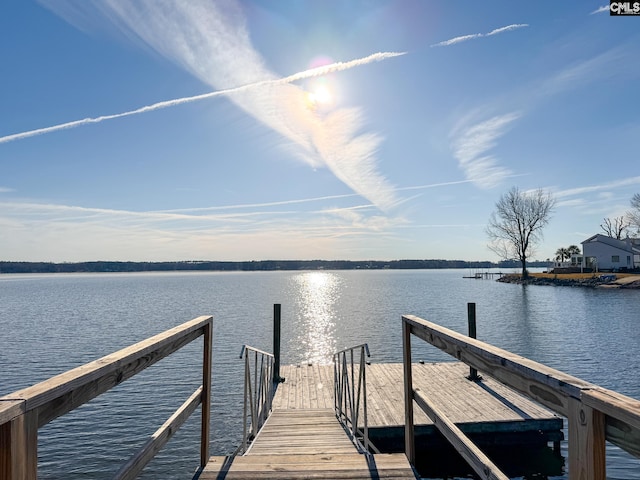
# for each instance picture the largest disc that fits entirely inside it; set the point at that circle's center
(163, 130)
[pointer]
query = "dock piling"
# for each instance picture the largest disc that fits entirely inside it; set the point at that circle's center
(471, 318)
(276, 343)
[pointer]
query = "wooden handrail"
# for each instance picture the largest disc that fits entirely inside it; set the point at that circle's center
(480, 463)
(594, 413)
(24, 411)
(621, 415)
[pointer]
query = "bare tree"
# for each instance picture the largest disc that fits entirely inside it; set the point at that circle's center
(633, 215)
(615, 227)
(516, 226)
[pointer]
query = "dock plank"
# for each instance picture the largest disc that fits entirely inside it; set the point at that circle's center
(299, 444)
(302, 431)
(478, 404)
(295, 391)
(310, 466)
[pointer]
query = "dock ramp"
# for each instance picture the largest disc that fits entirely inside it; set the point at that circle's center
(306, 443)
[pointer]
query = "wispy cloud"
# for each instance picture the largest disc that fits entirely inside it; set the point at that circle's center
(149, 235)
(464, 38)
(607, 199)
(472, 138)
(261, 205)
(471, 145)
(6, 190)
(571, 192)
(211, 40)
(609, 64)
(603, 8)
(434, 185)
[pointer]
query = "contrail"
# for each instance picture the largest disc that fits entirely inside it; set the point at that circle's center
(464, 38)
(313, 72)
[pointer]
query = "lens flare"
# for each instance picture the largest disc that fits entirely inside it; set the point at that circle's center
(322, 96)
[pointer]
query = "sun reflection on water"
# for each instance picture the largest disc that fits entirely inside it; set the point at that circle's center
(316, 317)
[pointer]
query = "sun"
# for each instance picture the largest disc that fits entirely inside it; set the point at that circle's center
(319, 97)
(322, 96)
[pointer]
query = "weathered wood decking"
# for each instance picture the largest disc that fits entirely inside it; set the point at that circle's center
(303, 438)
(306, 443)
(308, 431)
(476, 407)
(351, 466)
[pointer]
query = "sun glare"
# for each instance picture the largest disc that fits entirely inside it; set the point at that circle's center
(322, 96)
(318, 92)
(319, 97)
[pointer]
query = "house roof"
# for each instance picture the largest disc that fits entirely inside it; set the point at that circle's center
(629, 244)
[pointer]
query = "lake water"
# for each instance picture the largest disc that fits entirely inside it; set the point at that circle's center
(51, 323)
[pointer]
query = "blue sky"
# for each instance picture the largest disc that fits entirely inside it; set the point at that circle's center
(381, 156)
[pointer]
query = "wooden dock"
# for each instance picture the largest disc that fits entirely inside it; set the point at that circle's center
(485, 275)
(303, 438)
(483, 409)
(306, 443)
(305, 400)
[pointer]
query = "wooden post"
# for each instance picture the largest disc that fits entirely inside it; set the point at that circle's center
(409, 439)
(19, 447)
(206, 393)
(586, 442)
(276, 342)
(471, 318)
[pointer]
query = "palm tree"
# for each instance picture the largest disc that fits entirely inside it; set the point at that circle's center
(573, 250)
(562, 253)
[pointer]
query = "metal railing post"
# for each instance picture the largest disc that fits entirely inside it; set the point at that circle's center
(244, 403)
(409, 440)
(364, 397)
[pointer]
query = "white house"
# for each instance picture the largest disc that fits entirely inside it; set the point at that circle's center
(605, 253)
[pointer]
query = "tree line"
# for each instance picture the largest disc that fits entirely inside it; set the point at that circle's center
(248, 266)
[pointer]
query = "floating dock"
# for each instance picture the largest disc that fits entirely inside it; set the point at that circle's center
(486, 410)
(303, 438)
(485, 275)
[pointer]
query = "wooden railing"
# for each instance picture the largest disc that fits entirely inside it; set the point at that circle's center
(594, 414)
(23, 412)
(350, 391)
(259, 386)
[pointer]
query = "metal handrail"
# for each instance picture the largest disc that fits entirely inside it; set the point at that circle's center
(350, 395)
(258, 392)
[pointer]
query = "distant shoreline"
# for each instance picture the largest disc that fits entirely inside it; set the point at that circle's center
(250, 266)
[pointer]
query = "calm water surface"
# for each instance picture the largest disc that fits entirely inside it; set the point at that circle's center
(51, 323)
